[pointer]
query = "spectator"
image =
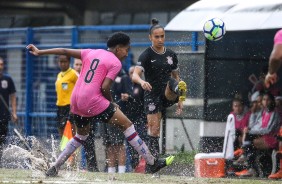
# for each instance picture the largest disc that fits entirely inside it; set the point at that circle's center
(77, 64)
(278, 103)
(260, 135)
(256, 106)
(7, 94)
(114, 138)
(88, 150)
(162, 84)
(241, 117)
(135, 111)
(65, 82)
(115, 149)
(127, 63)
(256, 102)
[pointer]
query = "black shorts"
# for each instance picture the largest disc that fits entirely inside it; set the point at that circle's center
(3, 131)
(63, 114)
(157, 103)
(105, 116)
(113, 135)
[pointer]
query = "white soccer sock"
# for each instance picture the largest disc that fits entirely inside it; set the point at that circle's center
(70, 148)
(121, 169)
(111, 169)
(138, 144)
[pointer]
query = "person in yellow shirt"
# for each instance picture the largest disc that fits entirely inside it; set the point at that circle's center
(65, 83)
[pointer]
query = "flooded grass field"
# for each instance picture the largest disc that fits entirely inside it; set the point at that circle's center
(81, 177)
(28, 165)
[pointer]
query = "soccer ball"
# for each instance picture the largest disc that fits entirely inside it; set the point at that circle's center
(214, 29)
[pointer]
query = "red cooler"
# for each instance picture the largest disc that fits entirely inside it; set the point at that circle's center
(209, 165)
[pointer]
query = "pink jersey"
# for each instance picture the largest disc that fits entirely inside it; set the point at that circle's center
(278, 37)
(243, 122)
(87, 99)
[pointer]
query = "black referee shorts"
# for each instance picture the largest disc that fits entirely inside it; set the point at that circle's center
(63, 114)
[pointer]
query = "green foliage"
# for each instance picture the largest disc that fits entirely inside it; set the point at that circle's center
(185, 157)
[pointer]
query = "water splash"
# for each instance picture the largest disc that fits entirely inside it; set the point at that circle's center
(35, 157)
(30, 159)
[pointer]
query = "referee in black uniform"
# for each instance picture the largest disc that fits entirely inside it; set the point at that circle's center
(7, 93)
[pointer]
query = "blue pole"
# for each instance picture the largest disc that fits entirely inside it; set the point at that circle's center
(74, 38)
(28, 82)
(194, 41)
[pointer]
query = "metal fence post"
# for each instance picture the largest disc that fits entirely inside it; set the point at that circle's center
(74, 37)
(28, 82)
(194, 41)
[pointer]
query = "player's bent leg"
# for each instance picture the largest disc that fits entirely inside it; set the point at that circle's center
(153, 136)
(182, 89)
(174, 89)
(137, 143)
(70, 148)
(153, 142)
(120, 120)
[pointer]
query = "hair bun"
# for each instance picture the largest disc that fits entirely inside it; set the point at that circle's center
(154, 21)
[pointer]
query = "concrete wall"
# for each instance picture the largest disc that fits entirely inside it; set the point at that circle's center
(197, 130)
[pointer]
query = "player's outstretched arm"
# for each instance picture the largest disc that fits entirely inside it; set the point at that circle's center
(76, 53)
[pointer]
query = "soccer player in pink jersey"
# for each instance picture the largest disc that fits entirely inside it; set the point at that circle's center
(274, 60)
(91, 98)
(271, 78)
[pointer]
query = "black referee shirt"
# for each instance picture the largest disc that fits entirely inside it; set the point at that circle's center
(7, 87)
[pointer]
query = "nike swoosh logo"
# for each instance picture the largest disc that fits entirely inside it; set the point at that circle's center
(153, 60)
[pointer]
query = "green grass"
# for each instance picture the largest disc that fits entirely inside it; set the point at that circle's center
(77, 177)
(185, 157)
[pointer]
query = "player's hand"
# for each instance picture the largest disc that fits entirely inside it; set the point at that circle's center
(179, 108)
(124, 96)
(116, 105)
(33, 50)
(270, 79)
(146, 86)
(245, 130)
(15, 118)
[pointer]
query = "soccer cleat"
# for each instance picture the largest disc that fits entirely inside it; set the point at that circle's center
(52, 172)
(182, 89)
(246, 173)
(277, 175)
(240, 161)
(159, 164)
(238, 152)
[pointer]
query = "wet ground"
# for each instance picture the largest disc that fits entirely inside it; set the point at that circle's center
(79, 177)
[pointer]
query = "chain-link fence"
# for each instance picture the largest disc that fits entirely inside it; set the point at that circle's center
(35, 77)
